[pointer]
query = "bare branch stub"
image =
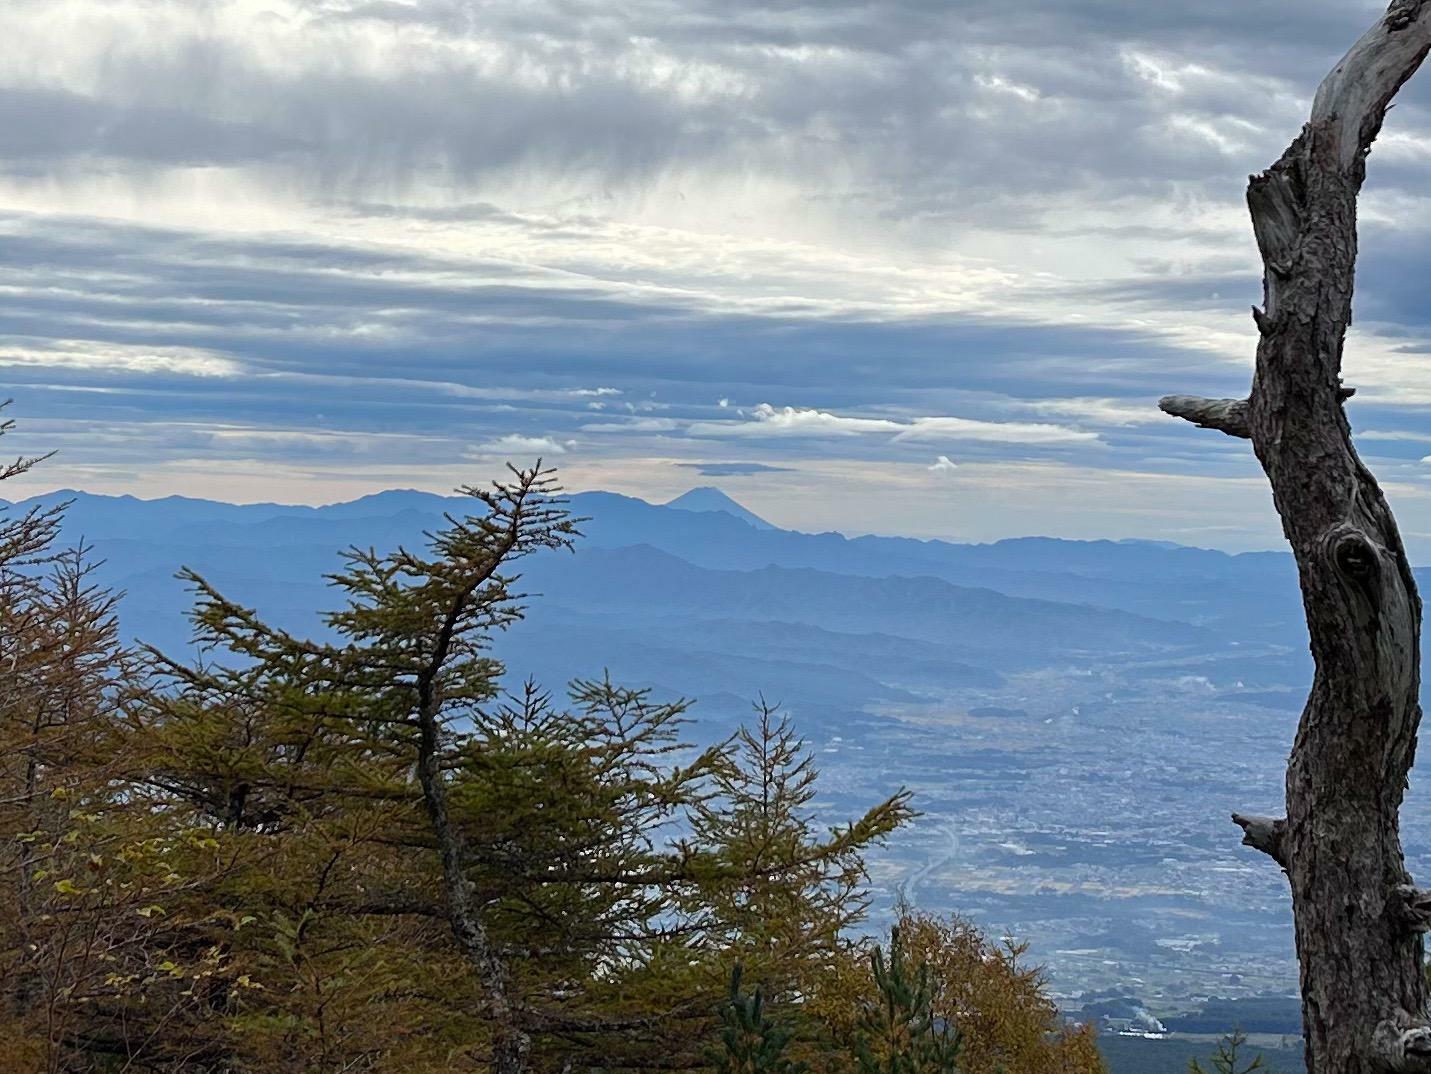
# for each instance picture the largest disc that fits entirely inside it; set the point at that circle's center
(1264, 834)
(1413, 906)
(1225, 415)
(1401, 1045)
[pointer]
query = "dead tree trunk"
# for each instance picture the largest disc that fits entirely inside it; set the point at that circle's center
(1358, 920)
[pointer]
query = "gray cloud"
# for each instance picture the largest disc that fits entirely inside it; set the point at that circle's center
(113, 322)
(926, 109)
(43, 129)
(733, 469)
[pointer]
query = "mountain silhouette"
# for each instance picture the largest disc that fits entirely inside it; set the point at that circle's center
(709, 498)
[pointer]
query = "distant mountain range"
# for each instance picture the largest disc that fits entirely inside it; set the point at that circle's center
(701, 595)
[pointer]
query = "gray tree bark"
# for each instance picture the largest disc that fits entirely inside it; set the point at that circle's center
(1359, 922)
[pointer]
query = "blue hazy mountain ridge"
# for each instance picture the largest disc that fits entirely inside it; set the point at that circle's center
(638, 581)
(696, 560)
(718, 538)
(1017, 601)
(1076, 717)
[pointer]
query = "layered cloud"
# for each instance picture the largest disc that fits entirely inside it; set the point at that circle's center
(337, 244)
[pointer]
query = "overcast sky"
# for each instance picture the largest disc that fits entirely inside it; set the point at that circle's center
(908, 266)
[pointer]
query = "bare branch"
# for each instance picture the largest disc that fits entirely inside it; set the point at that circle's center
(1225, 415)
(1264, 834)
(1352, 100)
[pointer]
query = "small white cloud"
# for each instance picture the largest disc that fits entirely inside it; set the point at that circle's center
(997, 432)
(120, 358)
(723, 403)
(796, 421)
(512, 444)
(944, 465)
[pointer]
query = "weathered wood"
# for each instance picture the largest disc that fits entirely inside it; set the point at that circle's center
(1415, 908)
(1225, 415)
(1364, 994)
(1266, 834)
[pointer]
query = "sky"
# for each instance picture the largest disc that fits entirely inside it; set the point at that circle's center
(915, 266)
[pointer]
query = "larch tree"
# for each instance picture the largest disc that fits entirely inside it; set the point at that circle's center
(1007, 1021)
(86, 947)
(1359, 921)
(1228, 1059)
(59, 663)
(594, 870)
(788, 892)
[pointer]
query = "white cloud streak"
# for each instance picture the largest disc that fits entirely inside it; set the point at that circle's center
(513, 444)
(768, 421)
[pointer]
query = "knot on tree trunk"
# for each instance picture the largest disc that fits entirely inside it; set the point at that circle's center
(1353, 553)
(1357, 560)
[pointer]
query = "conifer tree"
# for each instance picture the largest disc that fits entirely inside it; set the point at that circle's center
(791, 891)
(900, 1033)
(750, 1042)
(57, 655)
(1008, 1024)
